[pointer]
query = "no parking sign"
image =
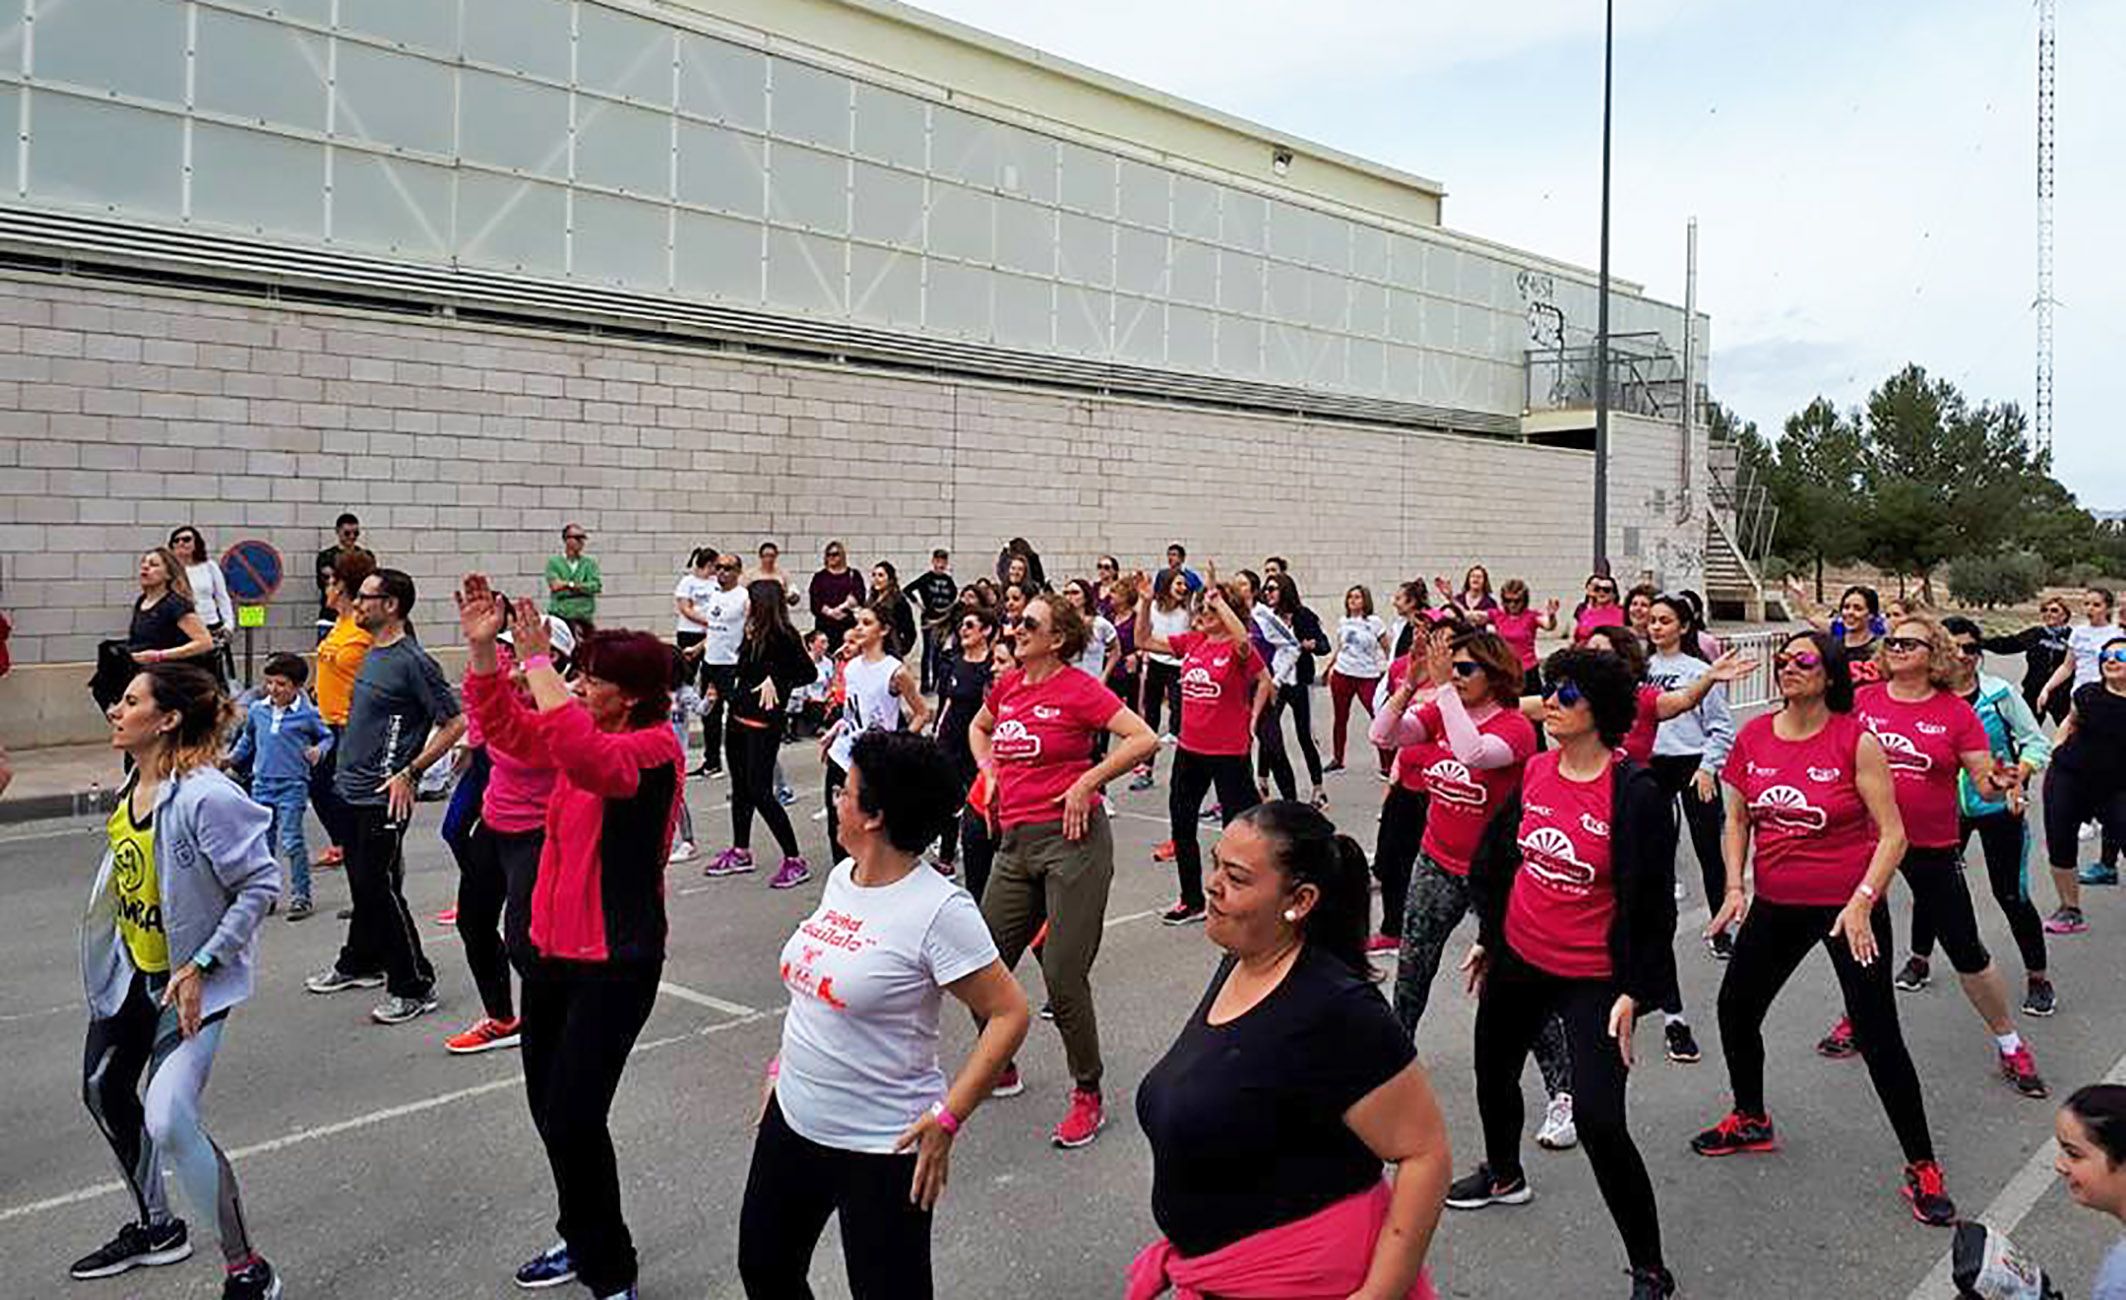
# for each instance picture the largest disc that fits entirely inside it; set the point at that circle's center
(253, 570)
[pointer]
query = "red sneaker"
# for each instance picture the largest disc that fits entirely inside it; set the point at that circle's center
(1384, 943)
(1839, 1044)
(1928, 1195)
(1083, 1122)
(2020, 1068)
(1009, 1084)
(332, 857)
(448, 916)
(486, 1035)
(1164, 852)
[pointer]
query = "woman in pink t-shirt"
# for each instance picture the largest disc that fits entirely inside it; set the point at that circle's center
(1600, 609)
(1224, 690)
(1810, 791)
(1518, 621)
(1034, 739)
(1929, 735)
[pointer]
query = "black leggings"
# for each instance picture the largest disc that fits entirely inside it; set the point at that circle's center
(1703, 818)
(1162, 687)
(749, 756)
(2072, 799)
(1773, 941)
(795, 1183)
(1515, 1007)
(1939, 893)
(1300, 700)
(482, 893)
(2005, 839)
(1402, 829)
(1194, 775)
(579, 1026)
(1272, 763)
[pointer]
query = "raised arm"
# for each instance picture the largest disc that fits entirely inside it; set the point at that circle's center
(1727, 668)
(1470, 745)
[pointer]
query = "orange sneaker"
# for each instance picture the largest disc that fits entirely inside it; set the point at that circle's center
(486, 1035)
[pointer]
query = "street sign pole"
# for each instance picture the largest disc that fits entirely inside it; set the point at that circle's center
(250, 618)
(253, 571)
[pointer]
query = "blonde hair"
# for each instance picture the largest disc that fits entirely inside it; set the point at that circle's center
(204, 716)
(175, 569)
(1941, 651)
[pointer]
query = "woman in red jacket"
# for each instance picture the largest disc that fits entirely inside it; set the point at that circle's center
(597, 914)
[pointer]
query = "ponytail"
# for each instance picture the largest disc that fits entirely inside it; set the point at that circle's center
(1309, 851)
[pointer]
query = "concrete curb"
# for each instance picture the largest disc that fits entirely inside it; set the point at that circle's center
(47, 807)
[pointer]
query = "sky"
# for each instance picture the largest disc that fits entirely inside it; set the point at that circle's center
(1863, 175)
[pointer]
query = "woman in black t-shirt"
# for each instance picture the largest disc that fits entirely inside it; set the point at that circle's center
(1290, 1085)
(164, 625)
(2087, 778)
(963, 681)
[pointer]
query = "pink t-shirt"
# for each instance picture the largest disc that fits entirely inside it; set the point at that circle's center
(518, 784)
(1044, 740)
(1813, 833)
(1463, 799)
(1924, 741)
(1595, 616)
(1638, 743)
(1564, 896)
(1217, 690)
(1519, 632)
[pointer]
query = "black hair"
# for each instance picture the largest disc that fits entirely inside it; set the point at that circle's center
(289, 666)
(1958, 625)
(982, 614)
(2102, 1109)
(1306, 847)
(1254, 584)
(1289, 602)
(1176, 546)
(766, 616)
(1868, 595)
(701, 555)
(940, 553)
(1837, 668)
(397, 585)
(1687, 616)
(1607, 684)
(1627, 646)
(909, 783)
(200, 551)
(346, 518)
(1414, 592)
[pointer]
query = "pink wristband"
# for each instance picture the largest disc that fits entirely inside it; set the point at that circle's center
(538, 661)
(945, 1118)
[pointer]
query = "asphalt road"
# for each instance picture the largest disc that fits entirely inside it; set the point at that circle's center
(375, 1165)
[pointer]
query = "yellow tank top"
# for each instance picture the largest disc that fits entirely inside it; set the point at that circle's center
(136, 890)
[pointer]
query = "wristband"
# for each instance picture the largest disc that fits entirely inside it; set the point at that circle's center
(538, 661)
(1866, 889)
(945, 1118)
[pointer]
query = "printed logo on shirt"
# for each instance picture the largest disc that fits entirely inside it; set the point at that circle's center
(1929, 728)
(1046, 712)
(1198, 684)
(1759, 769)
(1540, 810)
(1014, 743)
(1449, 779)
(1825, 775)
(1548, 855)
(1594, 825)
(1785, 806)
(1904, 756)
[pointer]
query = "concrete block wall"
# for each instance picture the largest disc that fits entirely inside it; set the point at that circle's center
(125, 411)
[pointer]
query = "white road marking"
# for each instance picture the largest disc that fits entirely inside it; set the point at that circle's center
(16, 1016)
(699, 999)
(2008, 1209)
(1127, 917)
(303, 1136)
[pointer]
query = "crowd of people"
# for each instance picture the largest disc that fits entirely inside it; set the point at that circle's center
(969, 736)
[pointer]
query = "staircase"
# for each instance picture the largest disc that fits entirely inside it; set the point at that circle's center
(1739, 520)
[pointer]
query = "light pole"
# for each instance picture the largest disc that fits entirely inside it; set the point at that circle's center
(1601, 465)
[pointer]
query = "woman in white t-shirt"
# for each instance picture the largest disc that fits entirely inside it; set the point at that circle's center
(690, 610)
(858, 1119)
(210, 595)
(879, 694)
(1356, 663)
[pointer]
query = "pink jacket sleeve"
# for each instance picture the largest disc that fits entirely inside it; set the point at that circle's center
(1399, 731)
(1470, 745)
(506, 722)
(607, 763)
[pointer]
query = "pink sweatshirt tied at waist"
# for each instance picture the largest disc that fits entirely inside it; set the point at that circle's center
(1324, 1256)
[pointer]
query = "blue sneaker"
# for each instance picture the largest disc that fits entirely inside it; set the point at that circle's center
(2096, 873)
(550, 1267)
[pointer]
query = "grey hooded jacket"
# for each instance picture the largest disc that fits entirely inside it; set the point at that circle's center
(218, 879)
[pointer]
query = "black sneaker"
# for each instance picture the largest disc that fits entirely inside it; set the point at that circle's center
(1914, 975)
(299, 909)
(1477, 1189)
(254, 1281)
(398, 1010)
(1735, 1134)
(1721, 945)
(135, 1246)
(1048, 1011)
(1652, 1284)
(1181, 914)
(1682, 1046)
(2039, 999)
(550, 1267)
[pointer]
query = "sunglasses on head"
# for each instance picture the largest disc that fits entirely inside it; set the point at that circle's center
(1566, 693)
(1905, 644)
(1807, 661)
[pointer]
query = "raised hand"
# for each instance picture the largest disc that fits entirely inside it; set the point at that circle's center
(1731, 667)
(527, 630)
(481, 614)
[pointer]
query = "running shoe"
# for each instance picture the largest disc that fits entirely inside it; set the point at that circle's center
(299, 909)
(448, 916)
(1181, 914)
(706, 772)
(1721, 945)
(397, 1010)
(792, 873)
(1477, 1189)
(1048, 1011)
(786, 797)
(946, 869)
(1009, 1084)
(1214, 813)
(1334, 765)
(1082, 1122)
(1913, 975)
(2096, 873)
(1384, 943)
(1682, 1044)
(1143, 780)
(1839, 1044)
(1558, 1132)
(254, 1281)
(486, 1035)
(1163, 851)
(1736, 1133)
(2039, 999)
(682, 851)
(730, 862)
(1929, 1197)
(1655, 1283)
(332, 857)
(2067, 920)
(332, 980)
(553, 1266)
(2020, 1068)
(136, 1246)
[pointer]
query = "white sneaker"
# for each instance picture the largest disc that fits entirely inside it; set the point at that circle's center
(1166, 738)
(1558, 1132)
(820, 816)
(1681, 892)
(683, 851)
(2086, 833)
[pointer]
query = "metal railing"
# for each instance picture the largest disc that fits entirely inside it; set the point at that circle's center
(1735, 491)
(1645, 378)
(1761, 687)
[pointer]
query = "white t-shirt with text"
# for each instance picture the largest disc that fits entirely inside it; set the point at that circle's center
(695, 589)
(727, 623)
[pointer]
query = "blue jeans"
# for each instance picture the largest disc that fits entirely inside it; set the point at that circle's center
(289, 802)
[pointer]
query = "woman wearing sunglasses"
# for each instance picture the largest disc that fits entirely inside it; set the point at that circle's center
(1812, 812)
(1929, 735)
(1600, 609)
(963, 681)
(1575, 912)
(2088, 777)
(1857, 624)
(210, 597)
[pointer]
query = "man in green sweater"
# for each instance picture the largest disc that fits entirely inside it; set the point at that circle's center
(572, 578)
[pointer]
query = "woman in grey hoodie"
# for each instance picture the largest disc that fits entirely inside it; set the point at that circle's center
(168, 946)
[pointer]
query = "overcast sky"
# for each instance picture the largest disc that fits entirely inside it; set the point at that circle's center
(1863, 174)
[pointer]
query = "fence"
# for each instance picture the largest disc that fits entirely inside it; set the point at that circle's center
(1761, 687)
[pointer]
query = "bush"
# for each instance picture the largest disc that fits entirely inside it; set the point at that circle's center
(2008, 578)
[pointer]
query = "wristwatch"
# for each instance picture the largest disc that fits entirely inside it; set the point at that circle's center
(204, 962)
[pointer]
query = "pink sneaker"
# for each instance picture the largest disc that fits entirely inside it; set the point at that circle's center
(1083, 1122)
(792, 873)
(1380, 943)
(730, 862)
